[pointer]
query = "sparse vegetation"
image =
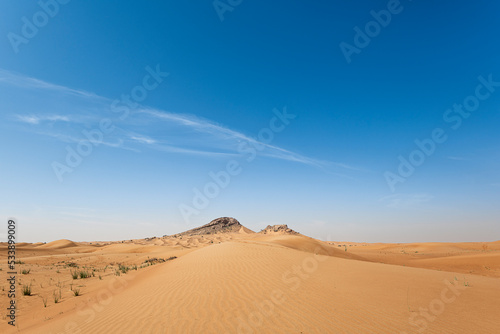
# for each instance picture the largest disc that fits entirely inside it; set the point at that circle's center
(74, 274)
(44, 300)
(26, 271)
(76, 292)
(57, 297)
(155, 260)
(27, 290)
(84, 274)
(123, 268)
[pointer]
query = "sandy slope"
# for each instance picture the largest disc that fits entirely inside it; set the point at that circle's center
(63, 243)
(250, 283)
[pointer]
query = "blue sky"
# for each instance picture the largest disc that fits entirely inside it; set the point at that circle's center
(313, 136)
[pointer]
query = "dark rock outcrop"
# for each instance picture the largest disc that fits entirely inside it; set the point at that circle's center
(280, 229)
(219, 225)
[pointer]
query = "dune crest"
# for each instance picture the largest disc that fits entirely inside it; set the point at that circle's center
(57, 244)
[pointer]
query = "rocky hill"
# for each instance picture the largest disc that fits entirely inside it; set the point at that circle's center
(278, 229)
(219, 225)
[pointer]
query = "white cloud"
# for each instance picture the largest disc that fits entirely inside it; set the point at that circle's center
(36, 119)
(232, 136)
(184, 133)
(143, 139)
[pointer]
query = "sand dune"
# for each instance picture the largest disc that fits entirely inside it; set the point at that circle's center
(256, 283)
(63, 243)
(306, 244)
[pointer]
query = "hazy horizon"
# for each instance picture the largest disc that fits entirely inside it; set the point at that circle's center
(140, 120)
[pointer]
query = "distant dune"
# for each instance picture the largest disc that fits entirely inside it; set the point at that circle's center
(63, 243)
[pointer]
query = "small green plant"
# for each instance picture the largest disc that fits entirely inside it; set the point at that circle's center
(84, 274)
(44, 300)
(56, 296)
(155, 260)
(26, 271)
(27, 290)
(117, 273)
(100, 277)
(76, 292)
(123, 268)
(58, 271)
(74, 274)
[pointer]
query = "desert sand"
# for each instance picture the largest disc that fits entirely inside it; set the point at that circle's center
(234, 280)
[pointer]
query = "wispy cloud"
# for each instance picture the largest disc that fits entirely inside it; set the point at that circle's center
(118, 143)
(231, 137)
(143, 139)
(25, 82)
(67, 112)
(405, 201)
(36, 119)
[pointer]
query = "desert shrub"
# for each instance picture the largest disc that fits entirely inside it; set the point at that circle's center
(159, 260)
(57, 297)
(84, 274)
(74, 274)
(123, 269)
(27, 290)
